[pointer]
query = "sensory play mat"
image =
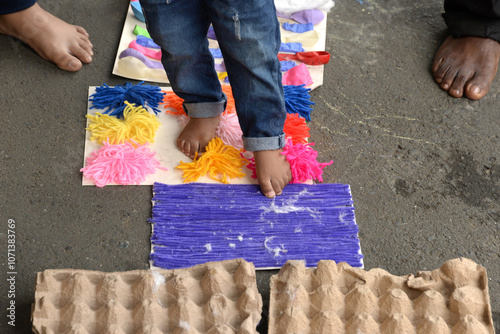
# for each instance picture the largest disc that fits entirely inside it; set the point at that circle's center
(132, 131)
(197, 223)
(302, 54)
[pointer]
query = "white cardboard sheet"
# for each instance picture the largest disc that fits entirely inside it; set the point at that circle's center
(166, 150)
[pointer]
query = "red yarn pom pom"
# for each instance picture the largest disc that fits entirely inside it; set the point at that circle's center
(296, 129)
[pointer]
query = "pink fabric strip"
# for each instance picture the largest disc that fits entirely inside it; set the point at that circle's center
(145, 51)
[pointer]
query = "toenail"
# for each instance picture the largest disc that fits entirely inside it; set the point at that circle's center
(270, 194)
(475, 89)
(74, 63)
(445, 86)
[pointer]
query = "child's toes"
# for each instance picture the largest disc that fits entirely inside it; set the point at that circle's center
(267, 189)
(278, 186)
(194, 148)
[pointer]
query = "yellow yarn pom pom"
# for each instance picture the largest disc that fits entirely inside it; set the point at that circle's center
(138, 126)
(220, 161)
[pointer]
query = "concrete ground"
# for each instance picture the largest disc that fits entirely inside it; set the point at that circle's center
(424, 168)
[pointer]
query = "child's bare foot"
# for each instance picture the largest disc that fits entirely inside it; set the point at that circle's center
(196, 135)
(466, 66)
(64, 44)
(273, 172)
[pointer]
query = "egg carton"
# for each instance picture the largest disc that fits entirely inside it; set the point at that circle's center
(336, 298)
(215, 297)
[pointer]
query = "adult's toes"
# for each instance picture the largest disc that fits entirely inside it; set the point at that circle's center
(82, 31)
(448, 78)
(84, 40)
(87, 46)
(458, 84)
(439, 71)
(437, 67)
(68, 63)
(81, 54)
(475, 91)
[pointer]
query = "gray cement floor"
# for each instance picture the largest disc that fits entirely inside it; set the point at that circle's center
(424, 168)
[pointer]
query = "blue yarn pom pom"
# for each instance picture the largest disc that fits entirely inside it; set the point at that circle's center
(112, 99)
(297, 100)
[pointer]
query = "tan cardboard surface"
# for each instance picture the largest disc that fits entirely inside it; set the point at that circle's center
(336, 298)
(216, 297)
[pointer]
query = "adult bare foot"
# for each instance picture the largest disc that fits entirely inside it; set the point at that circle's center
(53, 39)
(196, 135)
(273, 172)
(466, 66)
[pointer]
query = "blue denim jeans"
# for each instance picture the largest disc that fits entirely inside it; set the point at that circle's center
(14, 6)
(249, 38)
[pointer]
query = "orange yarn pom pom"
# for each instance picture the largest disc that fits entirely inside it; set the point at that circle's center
(230, 107)
(220, 161)
(137, 126)
(173, 103)
(296, 129)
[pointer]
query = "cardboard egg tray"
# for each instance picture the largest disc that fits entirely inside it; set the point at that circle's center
(336, 298)
(216, 297)
(222, 297)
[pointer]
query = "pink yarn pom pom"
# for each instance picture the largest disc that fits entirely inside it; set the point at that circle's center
(303, 163)
(251, 164)
(229, 130)
(121, 164)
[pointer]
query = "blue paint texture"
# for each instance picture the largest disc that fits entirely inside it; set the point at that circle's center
(197, 223)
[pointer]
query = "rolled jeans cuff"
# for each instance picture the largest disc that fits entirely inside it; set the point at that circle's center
(264, 143)
(205, 109)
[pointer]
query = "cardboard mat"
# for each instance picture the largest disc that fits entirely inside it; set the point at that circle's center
(195, 223)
